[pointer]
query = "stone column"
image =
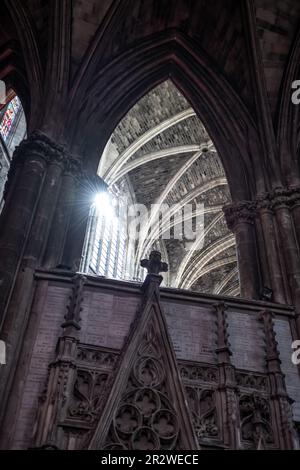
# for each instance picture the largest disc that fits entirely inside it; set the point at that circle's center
(280, 401)
(46, 207)
(31, 250)
(240, 220)
(271, 248)
(21, 199)
(296, 335)
(295, 210)
(289, 246)
(56, 399)
(227, 383)
(62, 216)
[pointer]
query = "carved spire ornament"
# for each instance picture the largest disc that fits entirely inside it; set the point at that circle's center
(154, 265)
(72, 317)
(147, 407)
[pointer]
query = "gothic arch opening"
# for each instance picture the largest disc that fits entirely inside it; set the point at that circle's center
(12, 132)
(160, 156)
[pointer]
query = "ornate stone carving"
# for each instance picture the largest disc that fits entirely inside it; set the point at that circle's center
(255, 421)
(72, 317)
(77, 386)
(263, 202)
(202, 404)
(64, 368)
(154, 264)
(96, 357)
(198, 373)
(278, 390)
(280, 197)
(294, 196)
(39, 144)
(241, 212)
(223, 349)
(88, 392)
(40, 147)
(227, 383)
(247, 210)
(145, 418)
(285, 197)
(270, 338)
(252, 381)
(201, 400)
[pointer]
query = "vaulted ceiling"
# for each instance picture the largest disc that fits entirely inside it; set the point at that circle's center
(58, 56)
(164, 151)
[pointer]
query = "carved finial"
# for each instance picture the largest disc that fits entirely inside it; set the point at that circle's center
(72, 317)
(154, 264)
(266, 294)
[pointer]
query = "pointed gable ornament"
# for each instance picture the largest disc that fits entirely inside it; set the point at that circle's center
(146, 408)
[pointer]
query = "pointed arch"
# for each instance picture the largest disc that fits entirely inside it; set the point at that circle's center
(288, 118)
(91, 57)
(31, 54)
(116, 88)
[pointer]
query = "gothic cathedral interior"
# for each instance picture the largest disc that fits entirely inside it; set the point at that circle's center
(150, 225)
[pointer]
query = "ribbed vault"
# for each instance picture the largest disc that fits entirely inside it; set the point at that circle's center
(163, 152)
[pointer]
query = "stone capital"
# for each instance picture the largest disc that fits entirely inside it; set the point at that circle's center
(241, 212)
(263, 202)
(39, 145)
(294, 197)
(280, 198)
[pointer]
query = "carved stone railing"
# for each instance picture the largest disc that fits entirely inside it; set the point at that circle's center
(115, 365)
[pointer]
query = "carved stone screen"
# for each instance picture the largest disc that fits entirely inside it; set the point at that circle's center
(46, 317)
(106, 317)
(199, 328)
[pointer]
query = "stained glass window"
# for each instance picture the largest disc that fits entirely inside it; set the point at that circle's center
(9, 118)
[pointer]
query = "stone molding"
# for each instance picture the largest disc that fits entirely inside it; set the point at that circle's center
(243, 211)
(247, 211)
(38, 146)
